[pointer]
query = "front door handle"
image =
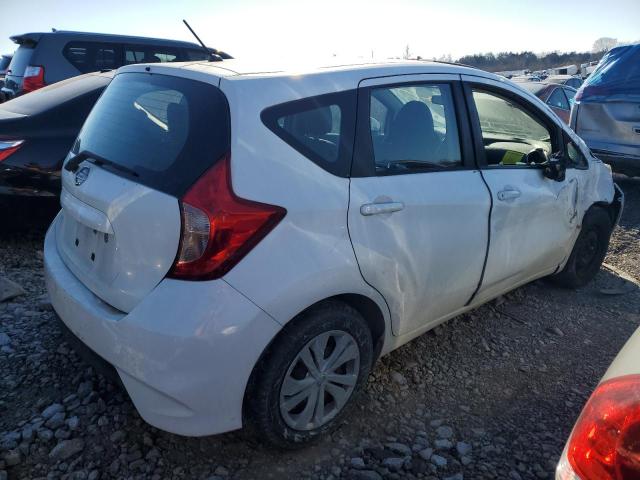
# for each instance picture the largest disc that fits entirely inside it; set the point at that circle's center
(377, 208)
(509, 193)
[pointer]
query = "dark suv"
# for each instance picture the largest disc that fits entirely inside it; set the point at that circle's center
(45, 58)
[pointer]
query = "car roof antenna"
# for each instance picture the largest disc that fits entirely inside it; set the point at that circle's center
(212, 56)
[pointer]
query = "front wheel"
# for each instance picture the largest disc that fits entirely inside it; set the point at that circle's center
(588, 252)
(309, 376)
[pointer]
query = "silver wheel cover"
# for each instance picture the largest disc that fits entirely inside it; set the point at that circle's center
(320, 380)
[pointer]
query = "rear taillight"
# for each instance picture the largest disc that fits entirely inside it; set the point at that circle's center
(605, 443)
(218, 227)
(8, 147)
(33, 78)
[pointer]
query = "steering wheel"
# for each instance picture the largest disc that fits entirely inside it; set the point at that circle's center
(536, 156)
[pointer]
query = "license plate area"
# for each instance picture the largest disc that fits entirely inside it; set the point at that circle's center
(90, 251)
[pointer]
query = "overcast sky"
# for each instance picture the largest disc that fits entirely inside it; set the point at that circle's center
(321, 28)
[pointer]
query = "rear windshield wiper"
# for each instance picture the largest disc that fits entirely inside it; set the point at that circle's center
(74, 162)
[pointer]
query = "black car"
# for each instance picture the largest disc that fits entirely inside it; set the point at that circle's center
(38, 130)
(45, 58)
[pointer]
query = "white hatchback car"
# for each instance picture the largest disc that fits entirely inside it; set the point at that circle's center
(242, 245)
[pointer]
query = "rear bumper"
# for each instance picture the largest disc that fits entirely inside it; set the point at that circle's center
(184, 354)
(620, 162)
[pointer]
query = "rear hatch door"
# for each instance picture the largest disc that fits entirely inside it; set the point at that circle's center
(147, 140)
(608, 116)
(15, 71)
(611, 125)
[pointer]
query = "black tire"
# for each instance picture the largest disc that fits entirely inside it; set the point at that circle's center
(262, 412)
(588, 252)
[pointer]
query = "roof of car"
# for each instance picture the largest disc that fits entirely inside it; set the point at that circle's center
(535, 87)
(242, 69)
(55, 94)
(35, 37)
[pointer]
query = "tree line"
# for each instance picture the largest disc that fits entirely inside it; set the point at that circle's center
(505, 61)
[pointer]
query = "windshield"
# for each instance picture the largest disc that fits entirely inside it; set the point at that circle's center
(617, 75)
(166, 131)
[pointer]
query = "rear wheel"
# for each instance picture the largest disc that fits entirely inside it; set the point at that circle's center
(588, 252)
(309, 376)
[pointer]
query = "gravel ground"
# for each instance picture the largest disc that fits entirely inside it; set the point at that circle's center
(490, 394)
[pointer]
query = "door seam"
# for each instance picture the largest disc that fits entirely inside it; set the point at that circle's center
(486, 253)
(355, 256)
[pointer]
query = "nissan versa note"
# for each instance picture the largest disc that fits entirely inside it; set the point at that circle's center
(242, 245)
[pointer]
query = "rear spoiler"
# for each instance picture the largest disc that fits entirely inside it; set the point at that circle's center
(27, 39)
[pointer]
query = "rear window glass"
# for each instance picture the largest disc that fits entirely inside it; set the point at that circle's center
(166, 131)
(20, 60)
(320, 128)
(558, 100)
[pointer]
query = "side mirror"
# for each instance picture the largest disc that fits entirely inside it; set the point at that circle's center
(555, 169)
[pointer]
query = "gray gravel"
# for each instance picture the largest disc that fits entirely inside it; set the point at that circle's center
(491, 394)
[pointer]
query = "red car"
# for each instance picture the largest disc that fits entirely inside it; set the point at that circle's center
(558, 97)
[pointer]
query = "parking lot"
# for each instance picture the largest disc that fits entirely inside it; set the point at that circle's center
(490, 394)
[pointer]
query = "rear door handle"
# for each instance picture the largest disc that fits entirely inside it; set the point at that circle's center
(377, 208)
(508, 193)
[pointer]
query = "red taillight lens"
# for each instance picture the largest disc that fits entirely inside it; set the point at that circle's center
(8, 147)
(33, 78)
(218, 227)
(605, 443)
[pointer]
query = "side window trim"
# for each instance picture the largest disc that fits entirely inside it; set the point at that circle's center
(535, 112)
(363, 164)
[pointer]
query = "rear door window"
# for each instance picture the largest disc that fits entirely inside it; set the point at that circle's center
(166, 131)
(150, 54)
(196, 54)
(92, 56)
(414, 128)
(321, 128)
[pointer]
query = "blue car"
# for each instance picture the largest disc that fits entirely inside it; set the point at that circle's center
(606, 111)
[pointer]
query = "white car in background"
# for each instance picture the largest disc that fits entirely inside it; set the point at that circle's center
(605, 442)
(242, 245)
